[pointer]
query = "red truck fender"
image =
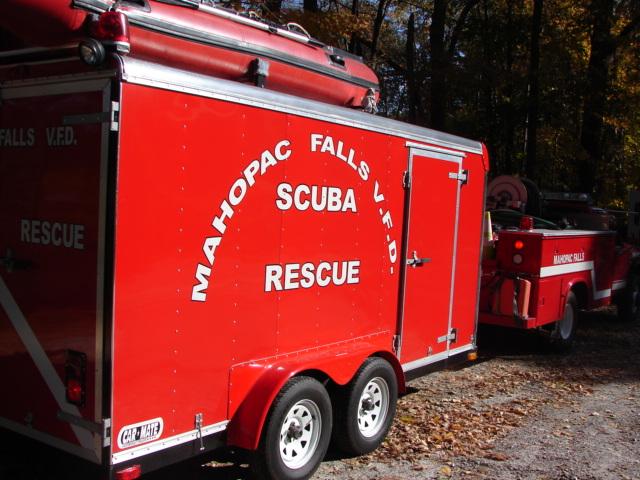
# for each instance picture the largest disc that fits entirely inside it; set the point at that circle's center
(338, 364)
(579, 287)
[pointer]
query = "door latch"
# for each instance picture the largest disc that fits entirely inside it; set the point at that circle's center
(415, 261)
(451, 337)
(461, 176)
(198, 424)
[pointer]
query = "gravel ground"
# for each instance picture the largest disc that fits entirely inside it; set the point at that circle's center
(520, 412)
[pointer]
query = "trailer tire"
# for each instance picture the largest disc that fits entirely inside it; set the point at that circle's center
(564, 330)
(296, 434)
(365, 409)
(629, 301)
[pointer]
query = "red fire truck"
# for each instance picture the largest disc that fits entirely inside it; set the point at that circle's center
(190, 260)
(540, 276)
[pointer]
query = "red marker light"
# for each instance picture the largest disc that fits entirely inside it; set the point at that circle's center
(75, 369)
(130, 473)
(518, 244)
(112, 28)
(74, 391)
(526, 223)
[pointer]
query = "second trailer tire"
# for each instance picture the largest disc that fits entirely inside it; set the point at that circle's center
(296, 433)
(366, 408)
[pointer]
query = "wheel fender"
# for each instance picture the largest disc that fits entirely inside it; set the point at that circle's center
(254, 386)
(580, 289)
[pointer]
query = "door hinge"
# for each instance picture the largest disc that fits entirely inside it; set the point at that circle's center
(395, 344)
(106, 432)
(462, 176)
(102, 428)
(406, 179)
(115, 116)
(451, 337)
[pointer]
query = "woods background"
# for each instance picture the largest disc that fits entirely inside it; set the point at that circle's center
(551, 86)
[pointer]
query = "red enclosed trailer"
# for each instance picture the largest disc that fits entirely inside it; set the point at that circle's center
(189, 262)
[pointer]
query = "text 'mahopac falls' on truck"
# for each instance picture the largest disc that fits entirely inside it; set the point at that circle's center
(205, 241)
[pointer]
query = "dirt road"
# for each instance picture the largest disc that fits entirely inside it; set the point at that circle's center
(520, 412)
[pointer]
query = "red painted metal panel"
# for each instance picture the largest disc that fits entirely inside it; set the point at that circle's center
(49, 212)
(350, 201)
(470, 228)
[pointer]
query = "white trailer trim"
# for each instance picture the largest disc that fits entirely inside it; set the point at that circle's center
(421, 362)
(169, 442)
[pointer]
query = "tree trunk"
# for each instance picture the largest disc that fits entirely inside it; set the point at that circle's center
(310, 6)
(273, 6)
(602, 48)
(534, 92)
(377, 26)
(509, 116)
(486, 94)
(438, 64)
(413, 97)
(354, 42)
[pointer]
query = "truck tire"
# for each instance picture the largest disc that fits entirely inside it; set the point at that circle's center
(296, 433)
(564, 330)
(365, 409)
(629, 300)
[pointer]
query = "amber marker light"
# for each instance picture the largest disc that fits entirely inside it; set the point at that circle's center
(472, 356)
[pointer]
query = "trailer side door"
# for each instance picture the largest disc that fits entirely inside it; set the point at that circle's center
(431, 232)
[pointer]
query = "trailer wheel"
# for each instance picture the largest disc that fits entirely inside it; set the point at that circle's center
(629, 301)
(564, 329)
(296, 433)
(366, 408)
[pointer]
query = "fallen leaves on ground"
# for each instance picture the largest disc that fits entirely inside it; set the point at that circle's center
(465, 412)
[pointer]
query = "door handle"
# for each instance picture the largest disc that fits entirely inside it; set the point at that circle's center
(415, 261)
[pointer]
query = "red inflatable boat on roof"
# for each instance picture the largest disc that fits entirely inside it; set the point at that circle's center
(200, 37)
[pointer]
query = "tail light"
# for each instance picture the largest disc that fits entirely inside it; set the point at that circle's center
(75, 369)
(112, 29)
(130, 473)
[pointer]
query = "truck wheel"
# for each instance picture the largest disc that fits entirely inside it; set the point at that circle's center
(564, 329)
(629, 300)
(366, 408)
(296, 433)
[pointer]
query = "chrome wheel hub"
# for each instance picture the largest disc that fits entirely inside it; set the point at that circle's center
(373, 407)
(300, 434)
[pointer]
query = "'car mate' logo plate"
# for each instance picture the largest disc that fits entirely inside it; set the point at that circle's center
(138, 433)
